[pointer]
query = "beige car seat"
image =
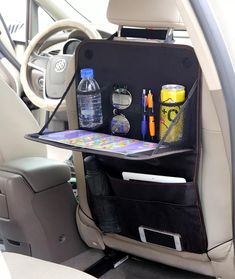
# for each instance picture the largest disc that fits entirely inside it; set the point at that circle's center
(16, 121)
(214, 177)
(24, 267)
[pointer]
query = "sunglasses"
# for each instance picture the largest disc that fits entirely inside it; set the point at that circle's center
(121, 100)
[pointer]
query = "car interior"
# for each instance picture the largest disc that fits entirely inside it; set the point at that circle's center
(155, 229)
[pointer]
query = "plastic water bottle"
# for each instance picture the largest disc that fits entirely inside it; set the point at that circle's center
(103, 209)
(89, 101)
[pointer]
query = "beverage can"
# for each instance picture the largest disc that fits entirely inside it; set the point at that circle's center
(171, 100)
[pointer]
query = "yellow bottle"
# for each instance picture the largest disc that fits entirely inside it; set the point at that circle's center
(172, 98)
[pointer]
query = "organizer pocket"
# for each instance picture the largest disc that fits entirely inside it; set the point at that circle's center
(165, 217)
(177, 193)
(171, 208)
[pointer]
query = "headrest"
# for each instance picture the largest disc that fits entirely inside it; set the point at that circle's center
(147, 14)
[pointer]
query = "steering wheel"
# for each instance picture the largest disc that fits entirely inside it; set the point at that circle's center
(34, 60)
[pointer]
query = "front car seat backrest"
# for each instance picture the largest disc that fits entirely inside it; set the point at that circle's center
(16, 121)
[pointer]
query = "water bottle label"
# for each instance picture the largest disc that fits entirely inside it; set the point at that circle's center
(86, 113)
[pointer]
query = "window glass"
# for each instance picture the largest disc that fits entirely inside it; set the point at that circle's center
(44, 20)
(14, 14)
(95, 12)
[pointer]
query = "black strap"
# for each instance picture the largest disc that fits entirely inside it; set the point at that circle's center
(141, 33)
(61, 100)
(112, 37)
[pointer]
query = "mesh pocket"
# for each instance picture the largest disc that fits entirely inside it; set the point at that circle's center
(179, 128)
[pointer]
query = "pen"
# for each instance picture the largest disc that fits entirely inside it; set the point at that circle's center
(150, 100)
(144, 100)
(144, 127)
(151, 126)
(152, 131)
(144, 119)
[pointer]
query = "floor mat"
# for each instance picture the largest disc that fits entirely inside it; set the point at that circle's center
(2, 247)
(85, 259)
(138, 269)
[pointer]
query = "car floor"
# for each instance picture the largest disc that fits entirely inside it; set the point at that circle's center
(85, 259)
(138, 269)
(2, 247)
(133, 268)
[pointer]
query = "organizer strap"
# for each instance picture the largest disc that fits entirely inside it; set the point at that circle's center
(61, 100)
(141, 33)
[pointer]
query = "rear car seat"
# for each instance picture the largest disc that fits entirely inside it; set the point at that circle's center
(25, 267)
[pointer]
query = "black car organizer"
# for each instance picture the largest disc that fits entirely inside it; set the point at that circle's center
(169, 207)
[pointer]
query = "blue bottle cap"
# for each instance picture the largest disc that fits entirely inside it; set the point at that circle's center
(87, 73)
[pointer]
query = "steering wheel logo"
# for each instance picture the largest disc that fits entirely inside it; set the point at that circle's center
(60, 65)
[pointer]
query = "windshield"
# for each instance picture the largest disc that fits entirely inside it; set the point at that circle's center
(224, 16)
(95, 12)
(14, 19)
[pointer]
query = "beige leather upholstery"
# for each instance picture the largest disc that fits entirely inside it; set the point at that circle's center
(215, 174)
(153, 13)
(39, 222)
(40, 173)
(16, 121)
(6, 76)
(24, 267)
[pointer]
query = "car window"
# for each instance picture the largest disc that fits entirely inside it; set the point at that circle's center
(15, 19)
(14, 15)
(44, 20)
(89, 8)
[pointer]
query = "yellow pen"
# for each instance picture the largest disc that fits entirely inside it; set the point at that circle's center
(150, 100)
(152, 131)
